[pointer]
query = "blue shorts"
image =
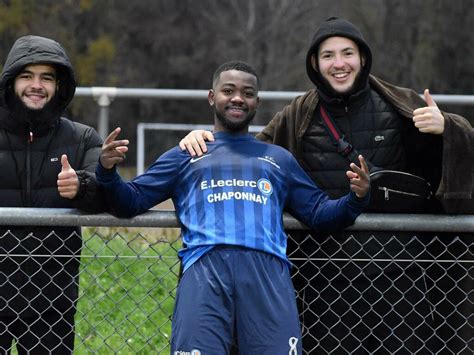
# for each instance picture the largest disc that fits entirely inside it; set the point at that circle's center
(239, 294)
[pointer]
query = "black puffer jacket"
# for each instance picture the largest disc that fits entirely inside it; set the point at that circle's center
(40, 265)
(370, 124)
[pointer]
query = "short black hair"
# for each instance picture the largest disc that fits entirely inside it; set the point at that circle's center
(234, 65)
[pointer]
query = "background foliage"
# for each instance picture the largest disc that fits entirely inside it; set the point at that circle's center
(178, 44)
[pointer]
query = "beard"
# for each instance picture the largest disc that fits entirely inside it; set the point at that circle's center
(39, 121)
(358, 84)
(234, 126)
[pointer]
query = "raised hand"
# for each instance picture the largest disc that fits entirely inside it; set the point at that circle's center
(195, 143)
(68, 182)
(429, 119)
(113, 151)
(359, 178)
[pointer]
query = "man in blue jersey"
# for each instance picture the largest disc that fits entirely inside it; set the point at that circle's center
(236, 282)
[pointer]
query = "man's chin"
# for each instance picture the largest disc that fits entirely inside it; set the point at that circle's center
(342, 89)
(234, 124)
(34, 106)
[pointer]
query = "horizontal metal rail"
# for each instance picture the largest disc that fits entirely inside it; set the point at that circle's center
(114, 92)
(105, 95)
(16, 216)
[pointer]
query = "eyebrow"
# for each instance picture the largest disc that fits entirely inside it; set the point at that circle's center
(343, 50)
(234, 86)
(26, 71)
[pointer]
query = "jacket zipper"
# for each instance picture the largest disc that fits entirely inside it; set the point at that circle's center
(28, 167)
(387, 191)
(349, 122)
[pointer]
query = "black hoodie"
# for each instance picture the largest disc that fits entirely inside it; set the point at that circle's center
(25, 51)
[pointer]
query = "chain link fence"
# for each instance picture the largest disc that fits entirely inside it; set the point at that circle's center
(389, 284)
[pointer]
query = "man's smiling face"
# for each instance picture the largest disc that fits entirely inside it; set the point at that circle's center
(235, 100)
(339, 62)
(36, 85)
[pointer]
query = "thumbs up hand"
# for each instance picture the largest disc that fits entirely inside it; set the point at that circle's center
(429, 119)
(68, 182)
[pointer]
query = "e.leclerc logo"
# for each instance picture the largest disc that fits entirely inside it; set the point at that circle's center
(265, 186)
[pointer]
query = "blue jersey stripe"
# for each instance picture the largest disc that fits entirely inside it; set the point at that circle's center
(228, 211)
(248, 217)
(210, 221)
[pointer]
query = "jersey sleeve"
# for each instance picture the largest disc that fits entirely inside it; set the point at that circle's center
(157, 184)
(312, 206)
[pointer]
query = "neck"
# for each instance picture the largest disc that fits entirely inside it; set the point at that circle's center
(231, 131)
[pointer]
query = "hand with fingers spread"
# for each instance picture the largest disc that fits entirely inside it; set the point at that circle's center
(195, 143)
(359, 178)
(68, 182)
(429, 119)
(113, 151)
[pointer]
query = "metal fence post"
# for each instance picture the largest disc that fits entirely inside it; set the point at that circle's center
(104, 96)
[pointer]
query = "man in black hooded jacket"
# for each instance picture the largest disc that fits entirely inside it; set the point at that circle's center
(375, 306)
(47, 161)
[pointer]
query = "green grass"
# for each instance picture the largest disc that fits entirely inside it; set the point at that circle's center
(128, 280)
(127, 289)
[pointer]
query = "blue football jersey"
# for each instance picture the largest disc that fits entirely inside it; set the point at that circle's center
(235, 194)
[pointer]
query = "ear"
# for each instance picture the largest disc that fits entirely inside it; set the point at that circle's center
(314, 62)
(210, 97)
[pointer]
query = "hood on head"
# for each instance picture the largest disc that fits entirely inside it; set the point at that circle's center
(39, 50)
(338, 27)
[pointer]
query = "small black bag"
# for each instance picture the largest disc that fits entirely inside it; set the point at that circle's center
(397, 192)
(391, 191)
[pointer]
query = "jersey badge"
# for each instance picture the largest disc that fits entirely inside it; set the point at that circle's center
(265, 186)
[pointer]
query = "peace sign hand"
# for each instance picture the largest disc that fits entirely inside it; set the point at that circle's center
(113, 151)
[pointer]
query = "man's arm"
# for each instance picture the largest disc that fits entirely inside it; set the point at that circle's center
(456, 188)
(128, 199)
(313, 207)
